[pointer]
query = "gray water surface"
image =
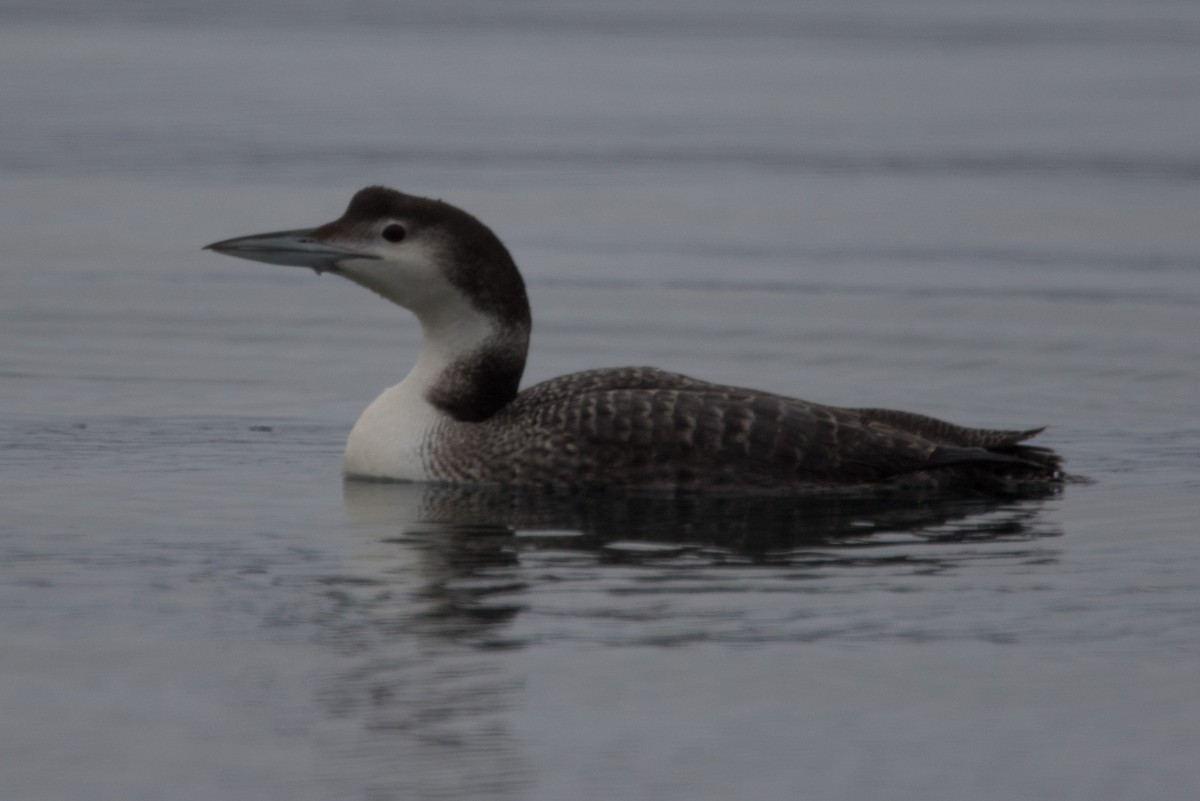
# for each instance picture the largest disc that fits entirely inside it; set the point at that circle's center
(985, 212)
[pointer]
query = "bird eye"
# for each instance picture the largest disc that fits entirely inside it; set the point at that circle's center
(394, 233)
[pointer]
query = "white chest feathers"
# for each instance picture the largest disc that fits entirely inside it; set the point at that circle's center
(390, 438)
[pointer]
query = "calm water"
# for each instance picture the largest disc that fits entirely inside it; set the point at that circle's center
(986, 212)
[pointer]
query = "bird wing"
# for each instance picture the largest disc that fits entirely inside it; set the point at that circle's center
(649, 427)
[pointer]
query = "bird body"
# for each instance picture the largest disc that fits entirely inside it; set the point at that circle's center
(458, 416)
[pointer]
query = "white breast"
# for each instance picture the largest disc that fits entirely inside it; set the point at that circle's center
(389, 439)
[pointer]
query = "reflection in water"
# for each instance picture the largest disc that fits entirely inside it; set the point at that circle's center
(481, 553)
(753, 520)
(448, 591)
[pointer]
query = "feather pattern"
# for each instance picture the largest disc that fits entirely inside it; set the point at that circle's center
(643, 427)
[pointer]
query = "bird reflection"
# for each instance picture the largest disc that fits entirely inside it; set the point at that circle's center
(754, 525)
(442, 585)
(478, 549)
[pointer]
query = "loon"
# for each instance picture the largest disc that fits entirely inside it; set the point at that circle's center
(459, 417)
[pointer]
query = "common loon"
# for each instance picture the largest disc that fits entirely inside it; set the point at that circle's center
(458, 416)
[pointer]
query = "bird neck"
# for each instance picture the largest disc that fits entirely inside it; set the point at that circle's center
(471, 363)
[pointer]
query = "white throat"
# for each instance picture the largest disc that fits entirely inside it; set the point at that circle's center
(390, 436)
(448, 337)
